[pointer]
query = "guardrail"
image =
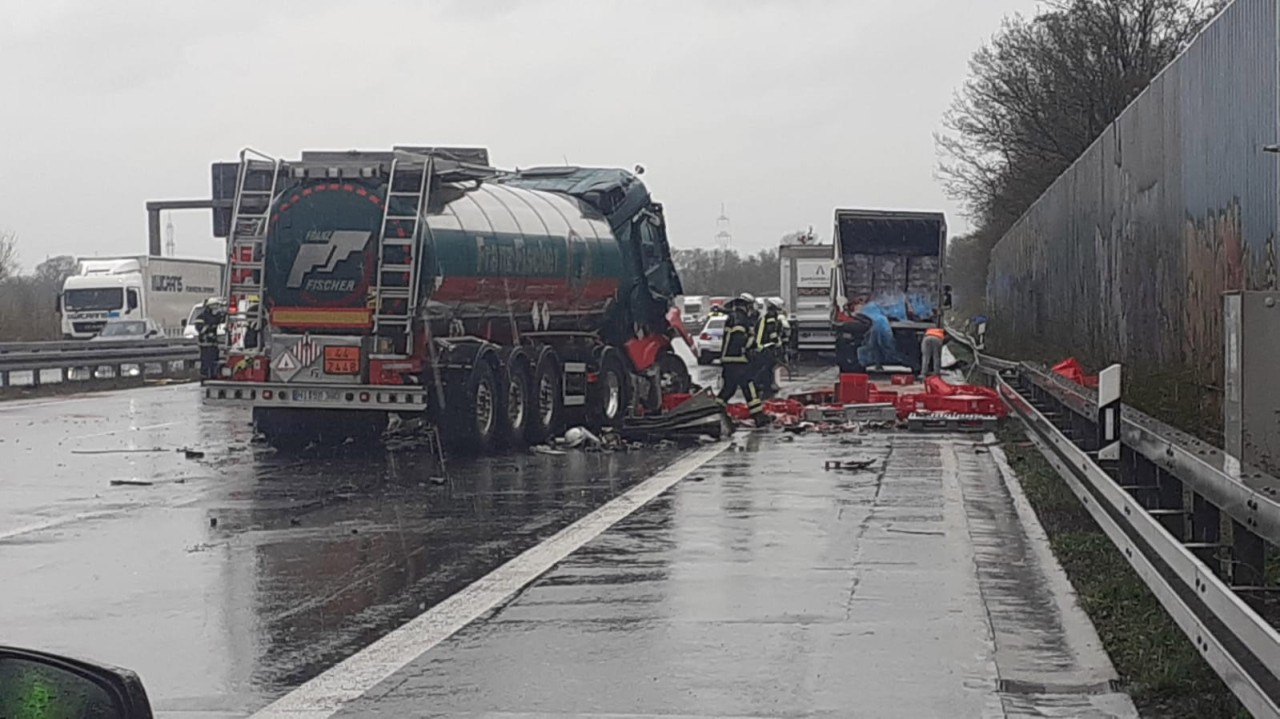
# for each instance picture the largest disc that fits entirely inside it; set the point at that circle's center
(95, 360)
(1192, 522)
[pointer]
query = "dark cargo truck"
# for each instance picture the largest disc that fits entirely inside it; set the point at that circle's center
(892, 260)
(499, 306)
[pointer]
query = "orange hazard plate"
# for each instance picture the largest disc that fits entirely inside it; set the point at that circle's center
(342, 360)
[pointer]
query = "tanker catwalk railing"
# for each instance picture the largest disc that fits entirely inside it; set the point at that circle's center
(1163, 505)
(95, 360)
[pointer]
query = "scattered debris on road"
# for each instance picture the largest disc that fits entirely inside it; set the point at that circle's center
(856, 465)
(131, 483)
(192, 453)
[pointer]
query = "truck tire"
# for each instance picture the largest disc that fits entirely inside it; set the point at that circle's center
(518, 404)
(547, 399)
(474, 413)
(610, 395)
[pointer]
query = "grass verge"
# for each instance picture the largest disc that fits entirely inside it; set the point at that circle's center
(1158, 666)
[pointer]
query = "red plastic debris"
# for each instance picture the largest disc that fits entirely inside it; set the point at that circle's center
(673, 400)
(901, 380)
(853, 388)
(1071, 369)
(940, 396)
(787, 407)
(738, 410)
(882, 396)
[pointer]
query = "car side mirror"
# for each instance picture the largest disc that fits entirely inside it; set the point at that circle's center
(57, 302)
(61, 686)
(184, 321)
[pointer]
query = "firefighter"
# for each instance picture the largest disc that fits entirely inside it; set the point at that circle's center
(211, 316)
(852, 328)
(736, 366)
(931, 351)
(768, 343)
(253, 324)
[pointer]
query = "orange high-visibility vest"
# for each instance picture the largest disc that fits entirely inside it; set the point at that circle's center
(935, 332)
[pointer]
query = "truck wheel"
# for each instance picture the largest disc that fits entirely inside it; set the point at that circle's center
(473, 423)
(674, 373)
(610, 396)
(518, 406)
(547, 400)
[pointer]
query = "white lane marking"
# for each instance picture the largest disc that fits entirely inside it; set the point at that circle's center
(326, 695)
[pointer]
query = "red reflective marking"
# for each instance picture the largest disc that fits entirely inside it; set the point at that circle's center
(335, 186)
(276, 217)
(349, 188)
(307, 191)
(294, 199)
(361, 191)
(375, 199)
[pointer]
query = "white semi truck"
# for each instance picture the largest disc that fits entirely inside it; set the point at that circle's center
(135, 287)
(806, 292)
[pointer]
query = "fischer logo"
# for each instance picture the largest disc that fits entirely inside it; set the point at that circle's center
(325, 249)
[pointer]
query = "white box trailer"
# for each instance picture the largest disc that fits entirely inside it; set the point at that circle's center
(806, 292)
(135, 287)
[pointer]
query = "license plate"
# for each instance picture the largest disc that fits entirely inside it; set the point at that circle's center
(314, 395)
(342, 360)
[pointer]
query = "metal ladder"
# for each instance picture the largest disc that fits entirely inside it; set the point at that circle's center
(257, 184)
(399, 243)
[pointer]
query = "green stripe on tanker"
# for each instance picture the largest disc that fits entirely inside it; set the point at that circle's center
(558, 248)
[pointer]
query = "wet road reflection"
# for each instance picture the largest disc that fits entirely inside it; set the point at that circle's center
(241, 573)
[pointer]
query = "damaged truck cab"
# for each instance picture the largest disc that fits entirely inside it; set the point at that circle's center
(499, 306)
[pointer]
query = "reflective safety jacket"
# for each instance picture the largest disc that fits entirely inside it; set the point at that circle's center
(737, 339)
(768, 331)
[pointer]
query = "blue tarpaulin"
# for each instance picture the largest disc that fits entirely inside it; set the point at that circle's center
(878, 347)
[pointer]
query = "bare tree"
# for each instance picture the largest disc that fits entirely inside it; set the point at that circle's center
(8, 254)
(1037, 95)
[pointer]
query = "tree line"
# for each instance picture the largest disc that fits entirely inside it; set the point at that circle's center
(1038, 94)
(28, 302)
(725, 272)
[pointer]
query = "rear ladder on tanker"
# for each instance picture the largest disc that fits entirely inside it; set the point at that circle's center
(257, 185)
(399, 245)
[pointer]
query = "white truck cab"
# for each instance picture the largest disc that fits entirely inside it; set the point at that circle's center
(138, 287)
(102, 290)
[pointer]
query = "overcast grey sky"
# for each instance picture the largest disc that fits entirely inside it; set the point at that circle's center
(781, 109)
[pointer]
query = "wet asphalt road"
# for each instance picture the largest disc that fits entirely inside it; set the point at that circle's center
(775, 588)
(765, 586)
(242, 573)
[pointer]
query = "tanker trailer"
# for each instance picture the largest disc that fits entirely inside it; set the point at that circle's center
(498, 306)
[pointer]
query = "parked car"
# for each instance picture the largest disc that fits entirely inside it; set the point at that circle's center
(710, 340)
(128, 330)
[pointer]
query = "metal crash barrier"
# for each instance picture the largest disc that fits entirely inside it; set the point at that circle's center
(84, 360)
(1163, 503)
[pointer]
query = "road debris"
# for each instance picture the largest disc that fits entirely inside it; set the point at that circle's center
(115, 451)
(192, 453)
(547, 450)
(580, 437)
(131, 483)
(855, 465)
